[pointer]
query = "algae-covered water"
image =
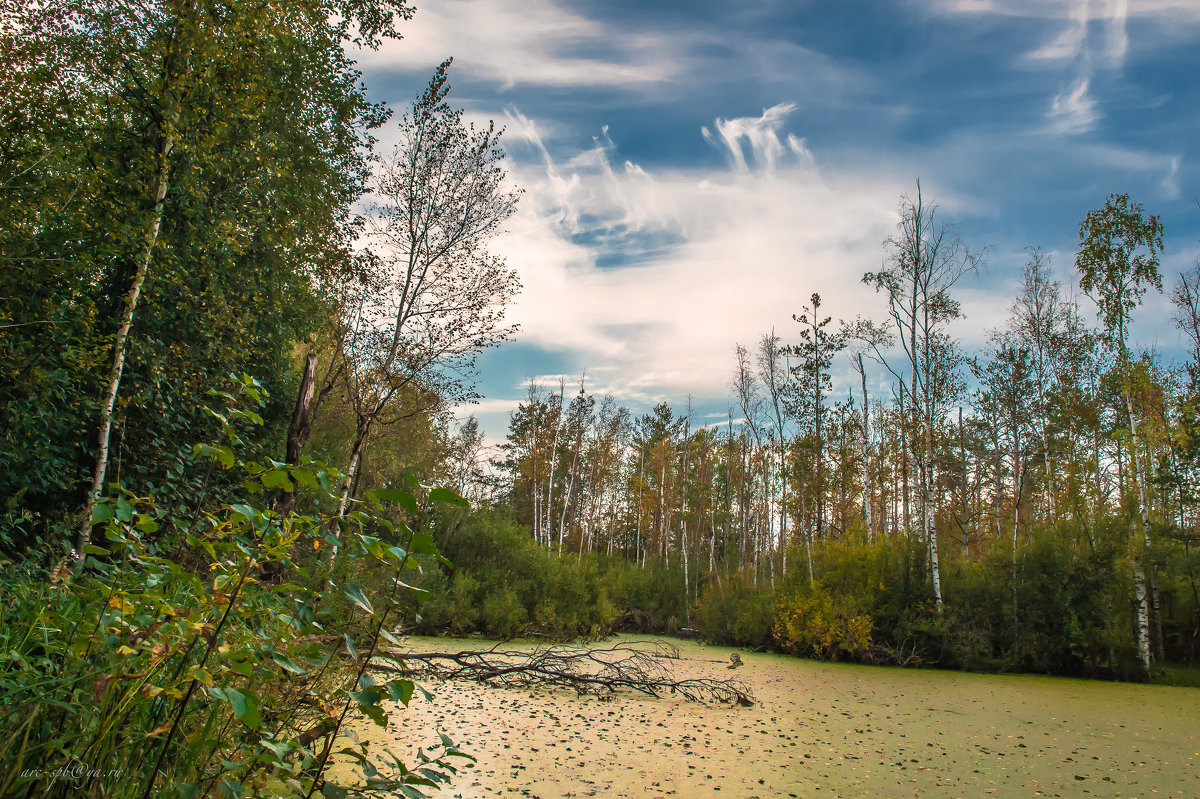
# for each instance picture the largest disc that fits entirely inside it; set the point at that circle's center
(817, 729)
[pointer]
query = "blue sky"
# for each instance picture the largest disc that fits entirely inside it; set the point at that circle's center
(694, 171)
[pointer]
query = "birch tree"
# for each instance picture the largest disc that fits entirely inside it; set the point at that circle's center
(1119, 250)
(773, 374)
(186, 112)
(442, 194)
(925, 260)
(1038, 319)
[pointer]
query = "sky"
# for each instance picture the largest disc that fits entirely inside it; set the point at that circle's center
(694, 171)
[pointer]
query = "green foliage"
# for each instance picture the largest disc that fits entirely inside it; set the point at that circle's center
(1072, 611)
(1119, 250)
(648, 599)
(261, 119)
(735, 612)
(172, 660)
(812, 622)
(502, 584)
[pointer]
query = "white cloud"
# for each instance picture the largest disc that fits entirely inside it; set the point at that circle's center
(485, 406)
(744, 248)
(1091, 36)
(1118, 37)
(1074, 110)
(762, 136)
(527, 42)
(1178, 10)
(1066, 46)
(746, 245)
(1170, 183)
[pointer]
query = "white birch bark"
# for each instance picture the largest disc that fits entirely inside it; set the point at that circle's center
(109, 400)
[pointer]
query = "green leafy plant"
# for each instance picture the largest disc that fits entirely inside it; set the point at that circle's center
(176, 663)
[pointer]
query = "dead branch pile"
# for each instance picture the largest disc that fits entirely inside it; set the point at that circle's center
(588, 670)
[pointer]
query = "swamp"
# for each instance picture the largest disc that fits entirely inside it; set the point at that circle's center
(815, 729)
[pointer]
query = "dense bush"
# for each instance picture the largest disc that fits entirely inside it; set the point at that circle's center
(810, 621)
(1062, 608)
(649, 599)
(174, 659)
(501, 584)
(1068, 611)
(736, 612)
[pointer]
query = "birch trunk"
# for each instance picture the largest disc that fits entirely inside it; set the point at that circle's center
(109, 400)
(963, 506)
(930, 527)
(1139, 576)
(562, 519)
(866, 453)
(351, 474)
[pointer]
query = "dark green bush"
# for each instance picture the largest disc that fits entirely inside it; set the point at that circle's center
(735, 612)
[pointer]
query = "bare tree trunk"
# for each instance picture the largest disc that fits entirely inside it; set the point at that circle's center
(663, 517)
(165, 145)
(712, 538)
(1098, 497)
(687, 597)
(350, 477)
(997, 479)
(681, 491)
(904, 461)
(1051, 506)
(963, 515)
(562, 522)
(1143, 616)
(301, 425)
(558, 422)
(866, 452)
(1017, 478)
(783, 528)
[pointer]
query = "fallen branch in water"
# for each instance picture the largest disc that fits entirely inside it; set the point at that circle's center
(596, 671)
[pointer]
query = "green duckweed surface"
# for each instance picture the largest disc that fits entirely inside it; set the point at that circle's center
(818, 729)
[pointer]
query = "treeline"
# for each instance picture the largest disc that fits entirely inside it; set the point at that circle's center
(217, 382)
(1030, 506)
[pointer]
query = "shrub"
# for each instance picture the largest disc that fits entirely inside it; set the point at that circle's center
(735, 612)
(171, 659)
(814, 623)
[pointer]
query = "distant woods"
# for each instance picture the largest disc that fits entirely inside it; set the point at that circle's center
(1029, 506)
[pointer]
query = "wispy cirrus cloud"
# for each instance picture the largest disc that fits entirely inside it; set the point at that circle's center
(1073, 110)
(761, 135)
(675, 204)
(1181, 10)
(1088, 39)
(717, 256)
